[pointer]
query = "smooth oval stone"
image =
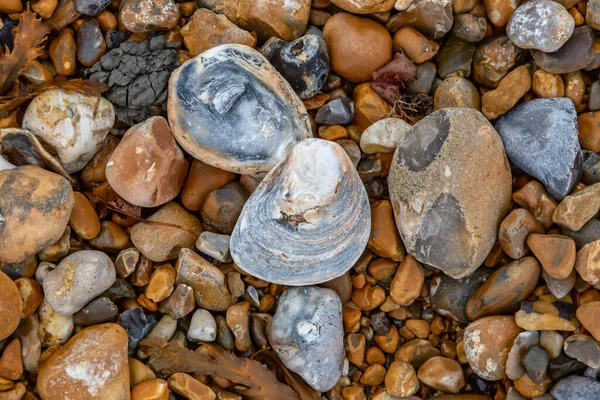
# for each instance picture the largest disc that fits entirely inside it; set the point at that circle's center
(142, 16)
(449, 296)
(505, 289)
(229, 108)
(92, 365)
(487, 343)
(574, 55)
(448, 218)
(544, 25)
(336, 112)
(35, 206)
(576, 388)
(304, 63)
(91, 8)
(307, 334)
(536, 362)
(77, 280)
(90, 43)
(540, 138)
(73, 124)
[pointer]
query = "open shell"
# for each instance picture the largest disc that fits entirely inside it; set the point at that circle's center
(308, 221)
(230, 108)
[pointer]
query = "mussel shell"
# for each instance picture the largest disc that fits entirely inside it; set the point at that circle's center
(230, 108)
(307, 222)
(21, 147)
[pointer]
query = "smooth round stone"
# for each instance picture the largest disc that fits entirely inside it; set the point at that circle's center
(487, 342)
(96, 312)
(148, 167)
(576, 388)
(90, 43)
(35, 206)
(401, 379)
(91, 8)
(540, 138)
(449, 296)
(77, 280)
(448, 218)
(589, 316)
(383, 136)
(142, 16)
(11, 306)
(203, 327)
(336, 112)
(357, 46)
(543, 25)
(304, 63)
(307, 334)
(574, 55)
(443, 374)
(229, 108)
(365, 6)
(73, 124)
(92, 365)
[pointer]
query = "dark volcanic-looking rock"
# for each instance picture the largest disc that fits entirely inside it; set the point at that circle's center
(304, 63)
(574, 55)
(229, 108)
(449, 296)
(307, 334)
(540, 137)
(576, 388)
(137, 74)
(448, 215)
(563, 365)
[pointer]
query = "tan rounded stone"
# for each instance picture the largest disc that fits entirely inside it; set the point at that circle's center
(368, 109)
(190, 388)
(511, 88)
(547, 85)
(578, 208)
(357, 46)
(587, 262)
(589, 316)
(401, 379)
(84, 221)
(111, 237)
(588, 125)
(92, 365)
(487, 342)
(11, 306)
(365, 6)
(514, 230)
(385, 240)
(456, 91)
(201, 180)
(63, 52)
(48, 199)
(154, 389)
(139, 372)
(442, 374)
(11, 362)
(31, 294)
(556, 253)
(499, 11)
(416, 46)
(95, 170)
(416, 352)
(161, 283)
(408, 281)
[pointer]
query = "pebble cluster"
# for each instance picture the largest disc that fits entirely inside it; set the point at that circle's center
(300, 200)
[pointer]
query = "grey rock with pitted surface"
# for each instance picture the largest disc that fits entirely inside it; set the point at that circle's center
(576, 388)
(307, 335)
(540, 24)
(540, 137)
(447, 214)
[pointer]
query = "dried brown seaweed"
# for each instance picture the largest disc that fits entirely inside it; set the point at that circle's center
(30, 35)
(253, 380)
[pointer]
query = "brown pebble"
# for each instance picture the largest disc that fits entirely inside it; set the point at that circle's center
(534, 198)
(587, 262)
(416, 352)
(588, 125)
(419, 327)
(161, 283)
(140, 16)
(223, 206)
(95, 170)
(63, 52)
(388, 343)
(368, 297)
(373, 375)
(139, 372)
(111, 237)
(499, 11)
(514, 230)
(333, 132)
(368, 107)
(556, 253)
(202, 179)
(84, 220)
(192, 389)
(530, 389)
(353, 392)
(356, 343)
(143, 271)
(589, 316)
(401, 379)
(442, 374)
(408, 282)
(154, 389)
(11, 363)
(357, 46)
(511, 88)
(416, 46)
(31, 294)
(11, 306)
(578, 208)
(238, 321)
(385, 239)
(547, 85)
(375, 356)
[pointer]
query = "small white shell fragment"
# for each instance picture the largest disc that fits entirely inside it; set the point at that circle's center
(383, 136)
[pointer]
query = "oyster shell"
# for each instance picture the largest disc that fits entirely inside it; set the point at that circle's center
(308, 221)
(230, 108)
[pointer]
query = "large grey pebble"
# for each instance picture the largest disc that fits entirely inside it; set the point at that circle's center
(307, 335)
(77, 280)
(540, 137)
(540, 24)
(576, 388)
(574, 55)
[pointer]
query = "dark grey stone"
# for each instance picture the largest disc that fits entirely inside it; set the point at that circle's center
(589, 233)
(119, 290)
(91, 8)
(455, 57)
(137, 324)
(574, 55)
(6, 31)
(540, 137)
(272, 47)
(583, 348)
(564, 365)
(307, 335)
(380, 323)
(535, 361)
(449, 296)
(591, 167)
(98, 311)
(576, 388)
(594, 99)
(425, 75)
(336, 112)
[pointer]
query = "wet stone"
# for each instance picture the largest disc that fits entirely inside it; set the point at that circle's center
(583, 348)
(306, 332)
(97, 312)
(91, 8)
(336, 112)
(535, 361)
(449, 296)
(575, 54)
(137, 323)
(90, 43)
(540, 137)
(544, 25)
(304, 63)
(576, 388)
(248, 86)
(426, 185)
(77, 280)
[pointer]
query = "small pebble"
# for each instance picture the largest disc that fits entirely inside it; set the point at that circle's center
(336, 112)
(203, 327)
(383, 136)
